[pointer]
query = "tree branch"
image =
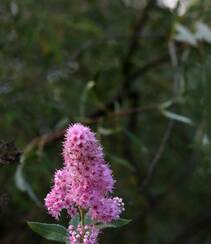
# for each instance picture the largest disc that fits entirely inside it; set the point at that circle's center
(140, 72)
(44, 139)
(133, 45)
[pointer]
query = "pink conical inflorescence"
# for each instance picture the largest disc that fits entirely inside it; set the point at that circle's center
(84, 182)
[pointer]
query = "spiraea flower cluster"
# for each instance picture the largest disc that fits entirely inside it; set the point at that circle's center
(87, 234)
(84, 182)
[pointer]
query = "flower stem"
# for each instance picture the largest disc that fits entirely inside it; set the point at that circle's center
(81, 211)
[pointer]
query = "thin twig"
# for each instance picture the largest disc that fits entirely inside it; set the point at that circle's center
(128, 111)
(43, 140)
(147, 67)
(140, 72)
(158, 154)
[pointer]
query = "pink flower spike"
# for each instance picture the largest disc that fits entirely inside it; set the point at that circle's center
(84, 182)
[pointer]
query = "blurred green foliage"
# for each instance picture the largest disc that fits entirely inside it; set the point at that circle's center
(64, 61)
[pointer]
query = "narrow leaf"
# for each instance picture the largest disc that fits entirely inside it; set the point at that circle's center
(184, 35)
(24, 186)
(136, 140)
(107, 131)
(120, 161)
(84, 97)
(115, 224)
(177, 117)
(203, 32)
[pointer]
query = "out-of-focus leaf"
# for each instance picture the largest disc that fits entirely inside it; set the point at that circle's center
(166, 104)
(62, 123)
(205, 140)
(177, 117)
(120, 161)
(107, 131)
(86, 25)
(203, 32)
(184, 35)
(53, 232)
(169, 103)
(84, 97)
(115, 224)
(14, 8)
(135, 140)
(24, 186)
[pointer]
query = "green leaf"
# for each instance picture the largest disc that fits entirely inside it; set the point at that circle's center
(86, 25)
(62, 123)
(115, 224)
(166, 104)
(184, 35)
(177, 117)
(53, 232)
(120, 161)
(107, 131)
(89, 86)
(136, 140)
(75, 220)
(203, 32)
(24, 186)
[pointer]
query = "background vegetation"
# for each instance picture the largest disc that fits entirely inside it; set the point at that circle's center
(140, 75)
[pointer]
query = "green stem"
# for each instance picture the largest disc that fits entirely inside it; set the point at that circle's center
(81, 211)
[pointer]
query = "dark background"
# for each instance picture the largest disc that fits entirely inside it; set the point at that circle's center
(139, 74)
